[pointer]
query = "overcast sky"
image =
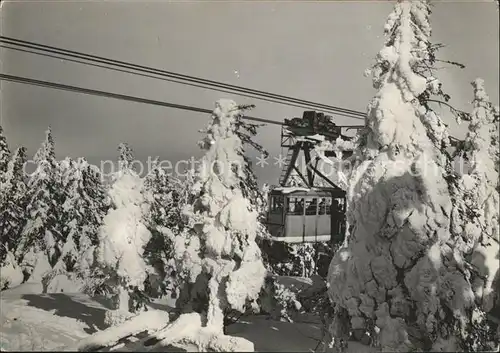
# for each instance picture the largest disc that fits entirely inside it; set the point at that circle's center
(311, 50)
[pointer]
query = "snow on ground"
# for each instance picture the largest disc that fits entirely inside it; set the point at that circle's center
(275, 336)
(46, 322)
(266, 335)
(62, 284)
(149, 321)
(33, 321)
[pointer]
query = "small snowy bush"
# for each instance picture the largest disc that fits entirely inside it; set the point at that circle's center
(278, 301)
(116, 317)
(11, 274)
(301, 260)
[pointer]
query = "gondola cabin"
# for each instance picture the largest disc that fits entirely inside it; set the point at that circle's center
(301, 215)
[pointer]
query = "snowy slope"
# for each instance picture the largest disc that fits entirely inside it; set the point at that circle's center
(266, 335)
(47, 322)
(31, 321)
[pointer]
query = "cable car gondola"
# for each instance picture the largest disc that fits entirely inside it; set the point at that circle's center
(301, 215)
(306, 214)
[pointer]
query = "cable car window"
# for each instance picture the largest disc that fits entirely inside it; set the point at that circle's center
(292, 201)
(311, 206)
(299, 206)
(277, 204)
(328, 206)
(322, 206)
(341, 204)
(337, 206)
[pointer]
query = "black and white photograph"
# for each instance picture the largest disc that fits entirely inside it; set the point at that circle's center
(249, 176)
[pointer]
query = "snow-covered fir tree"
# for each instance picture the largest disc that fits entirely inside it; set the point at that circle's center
(69, 178)
(249, 185)
(218, 255)
(4, 154)
(11, 274)
(12, 203)
(398, 283)
(41, 236)
(93, 202)
(476, 215)
(163, 221)
(83, 208)
(295, 260)
(246, 132)
(184, 195)
(125, 157)
(123, 236)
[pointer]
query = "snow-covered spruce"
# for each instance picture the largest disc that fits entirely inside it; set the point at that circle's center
(476, 213)
(83, 208)
(398, 284)
(220, 251)
(163, 221)
(41, 236)
(68, 176)
(296, 259)
(338, 168)
(239, 165)
(12, 203)
(93, 204)
(11, 274)
(123, 235)
(4, 155)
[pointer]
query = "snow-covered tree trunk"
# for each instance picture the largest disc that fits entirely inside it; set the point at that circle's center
(398, 283)
(123, 299)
